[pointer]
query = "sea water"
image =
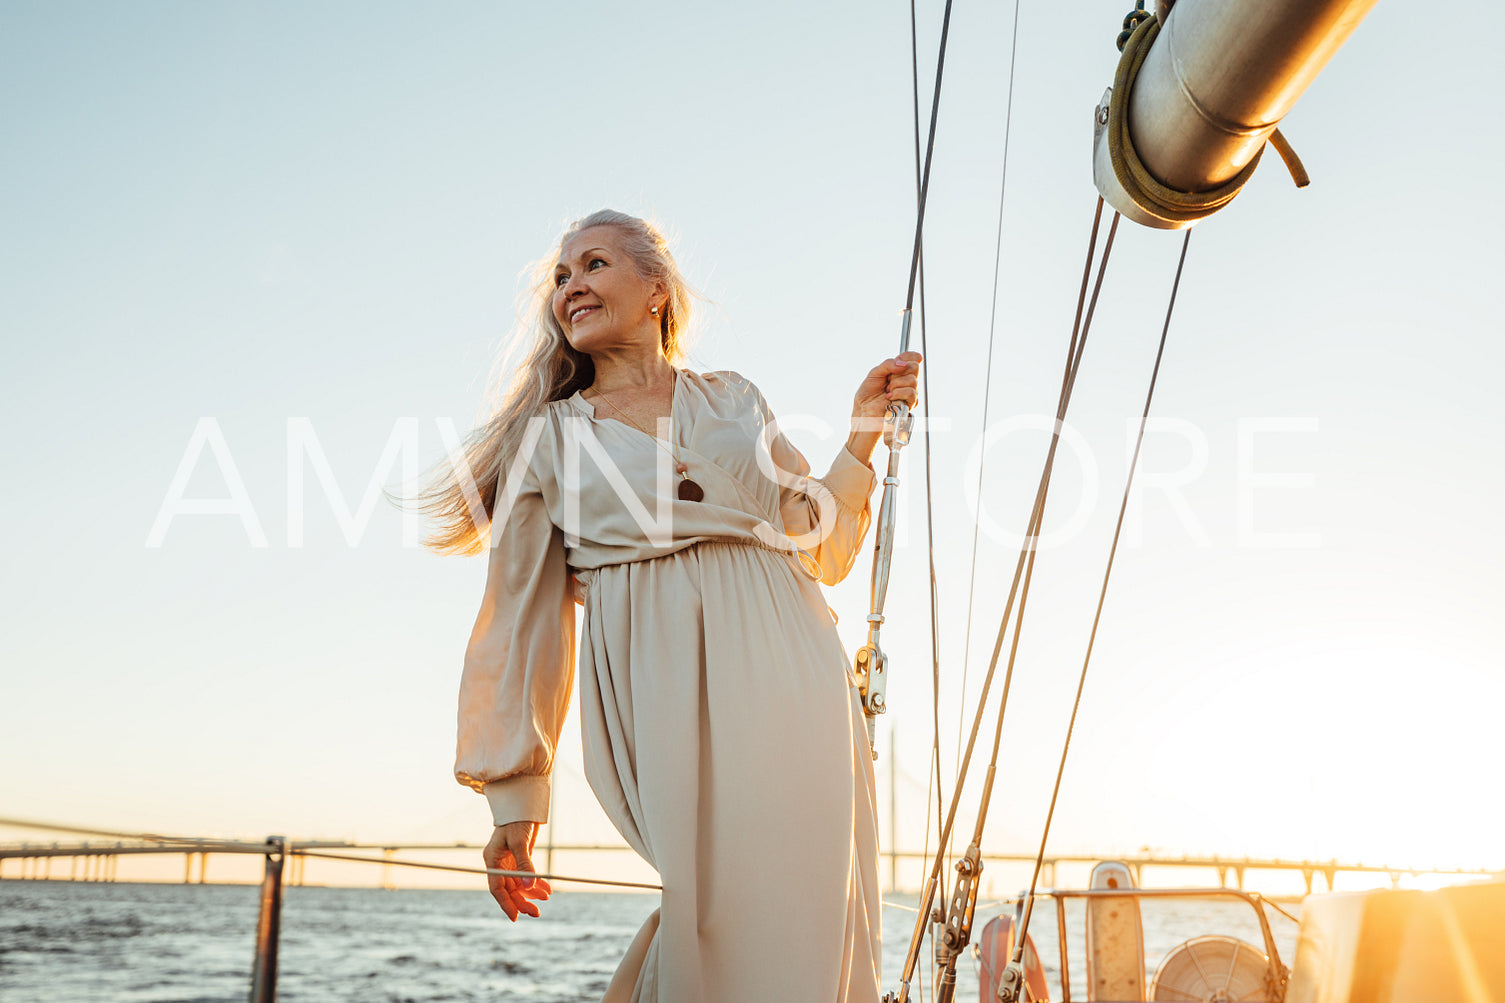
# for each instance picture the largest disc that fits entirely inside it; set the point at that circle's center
(66, 942)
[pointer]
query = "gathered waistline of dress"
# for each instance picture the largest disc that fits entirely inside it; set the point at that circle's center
(799, 558)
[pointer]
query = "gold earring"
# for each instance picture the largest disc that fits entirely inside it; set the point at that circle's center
(654, 311)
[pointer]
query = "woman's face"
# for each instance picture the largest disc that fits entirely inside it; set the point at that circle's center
(600, 300)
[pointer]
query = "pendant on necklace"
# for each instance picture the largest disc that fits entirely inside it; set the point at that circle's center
(688, 490)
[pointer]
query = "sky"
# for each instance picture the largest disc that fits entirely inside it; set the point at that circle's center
(310, 223)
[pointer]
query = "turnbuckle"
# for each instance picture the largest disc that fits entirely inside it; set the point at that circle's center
(959, 916)
(1011, 984)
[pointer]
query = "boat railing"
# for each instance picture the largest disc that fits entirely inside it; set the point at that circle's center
(285, 859)
(1277, 974)
(281, 855)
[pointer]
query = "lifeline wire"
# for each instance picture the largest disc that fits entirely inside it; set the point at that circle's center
(474, 870)
(1144, 418)
(1277, 908)
(180, 844)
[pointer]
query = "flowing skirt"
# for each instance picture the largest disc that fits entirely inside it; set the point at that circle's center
(724, 739)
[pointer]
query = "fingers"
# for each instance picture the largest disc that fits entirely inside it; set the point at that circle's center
(524, 907)
(495, 857)
(524, 863)
(498, 885)
(892, 380)
(903, 377)
(517, 889)
(508, 851)
(538, 889)
(523, 889)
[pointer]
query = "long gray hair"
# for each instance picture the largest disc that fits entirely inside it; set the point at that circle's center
(551, 370)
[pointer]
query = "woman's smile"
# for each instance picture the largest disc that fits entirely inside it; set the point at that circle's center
(599, 294)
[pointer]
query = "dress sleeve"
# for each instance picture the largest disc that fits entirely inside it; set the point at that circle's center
(519, 664)
(827, 516)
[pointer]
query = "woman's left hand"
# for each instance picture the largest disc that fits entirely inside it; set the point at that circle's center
(510, 849)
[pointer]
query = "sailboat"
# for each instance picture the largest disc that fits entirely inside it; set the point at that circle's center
(1198, 96)
(1082, 128)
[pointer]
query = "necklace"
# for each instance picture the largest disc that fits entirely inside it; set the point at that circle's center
(688, 489)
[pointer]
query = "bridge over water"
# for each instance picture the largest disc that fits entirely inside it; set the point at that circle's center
(97, 859)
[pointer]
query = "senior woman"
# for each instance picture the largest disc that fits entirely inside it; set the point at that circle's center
(721, 730)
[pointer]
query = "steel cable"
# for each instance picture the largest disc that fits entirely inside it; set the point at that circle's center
(935, 653)
(1080, 327)
(1101, 599)
(987, 396)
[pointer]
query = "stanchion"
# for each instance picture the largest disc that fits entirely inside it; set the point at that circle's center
(269, 925)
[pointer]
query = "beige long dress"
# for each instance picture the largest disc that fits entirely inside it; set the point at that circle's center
(721, 730)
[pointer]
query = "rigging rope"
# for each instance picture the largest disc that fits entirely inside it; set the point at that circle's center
(968, 866)
(987, 396)
(1132, 20)
(963, 907)
(1140, 30)
(1014, 977)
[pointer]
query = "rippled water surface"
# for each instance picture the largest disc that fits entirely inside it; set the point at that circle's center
(62, 942)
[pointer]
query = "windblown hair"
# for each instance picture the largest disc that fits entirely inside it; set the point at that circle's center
(552, 370)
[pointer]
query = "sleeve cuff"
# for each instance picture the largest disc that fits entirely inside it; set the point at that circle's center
(522, 798)
(850, 480)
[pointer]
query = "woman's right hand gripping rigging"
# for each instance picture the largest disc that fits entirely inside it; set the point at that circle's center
(510, 849)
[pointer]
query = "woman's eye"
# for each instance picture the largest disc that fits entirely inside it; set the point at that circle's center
(594, 262)
(560, 279)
